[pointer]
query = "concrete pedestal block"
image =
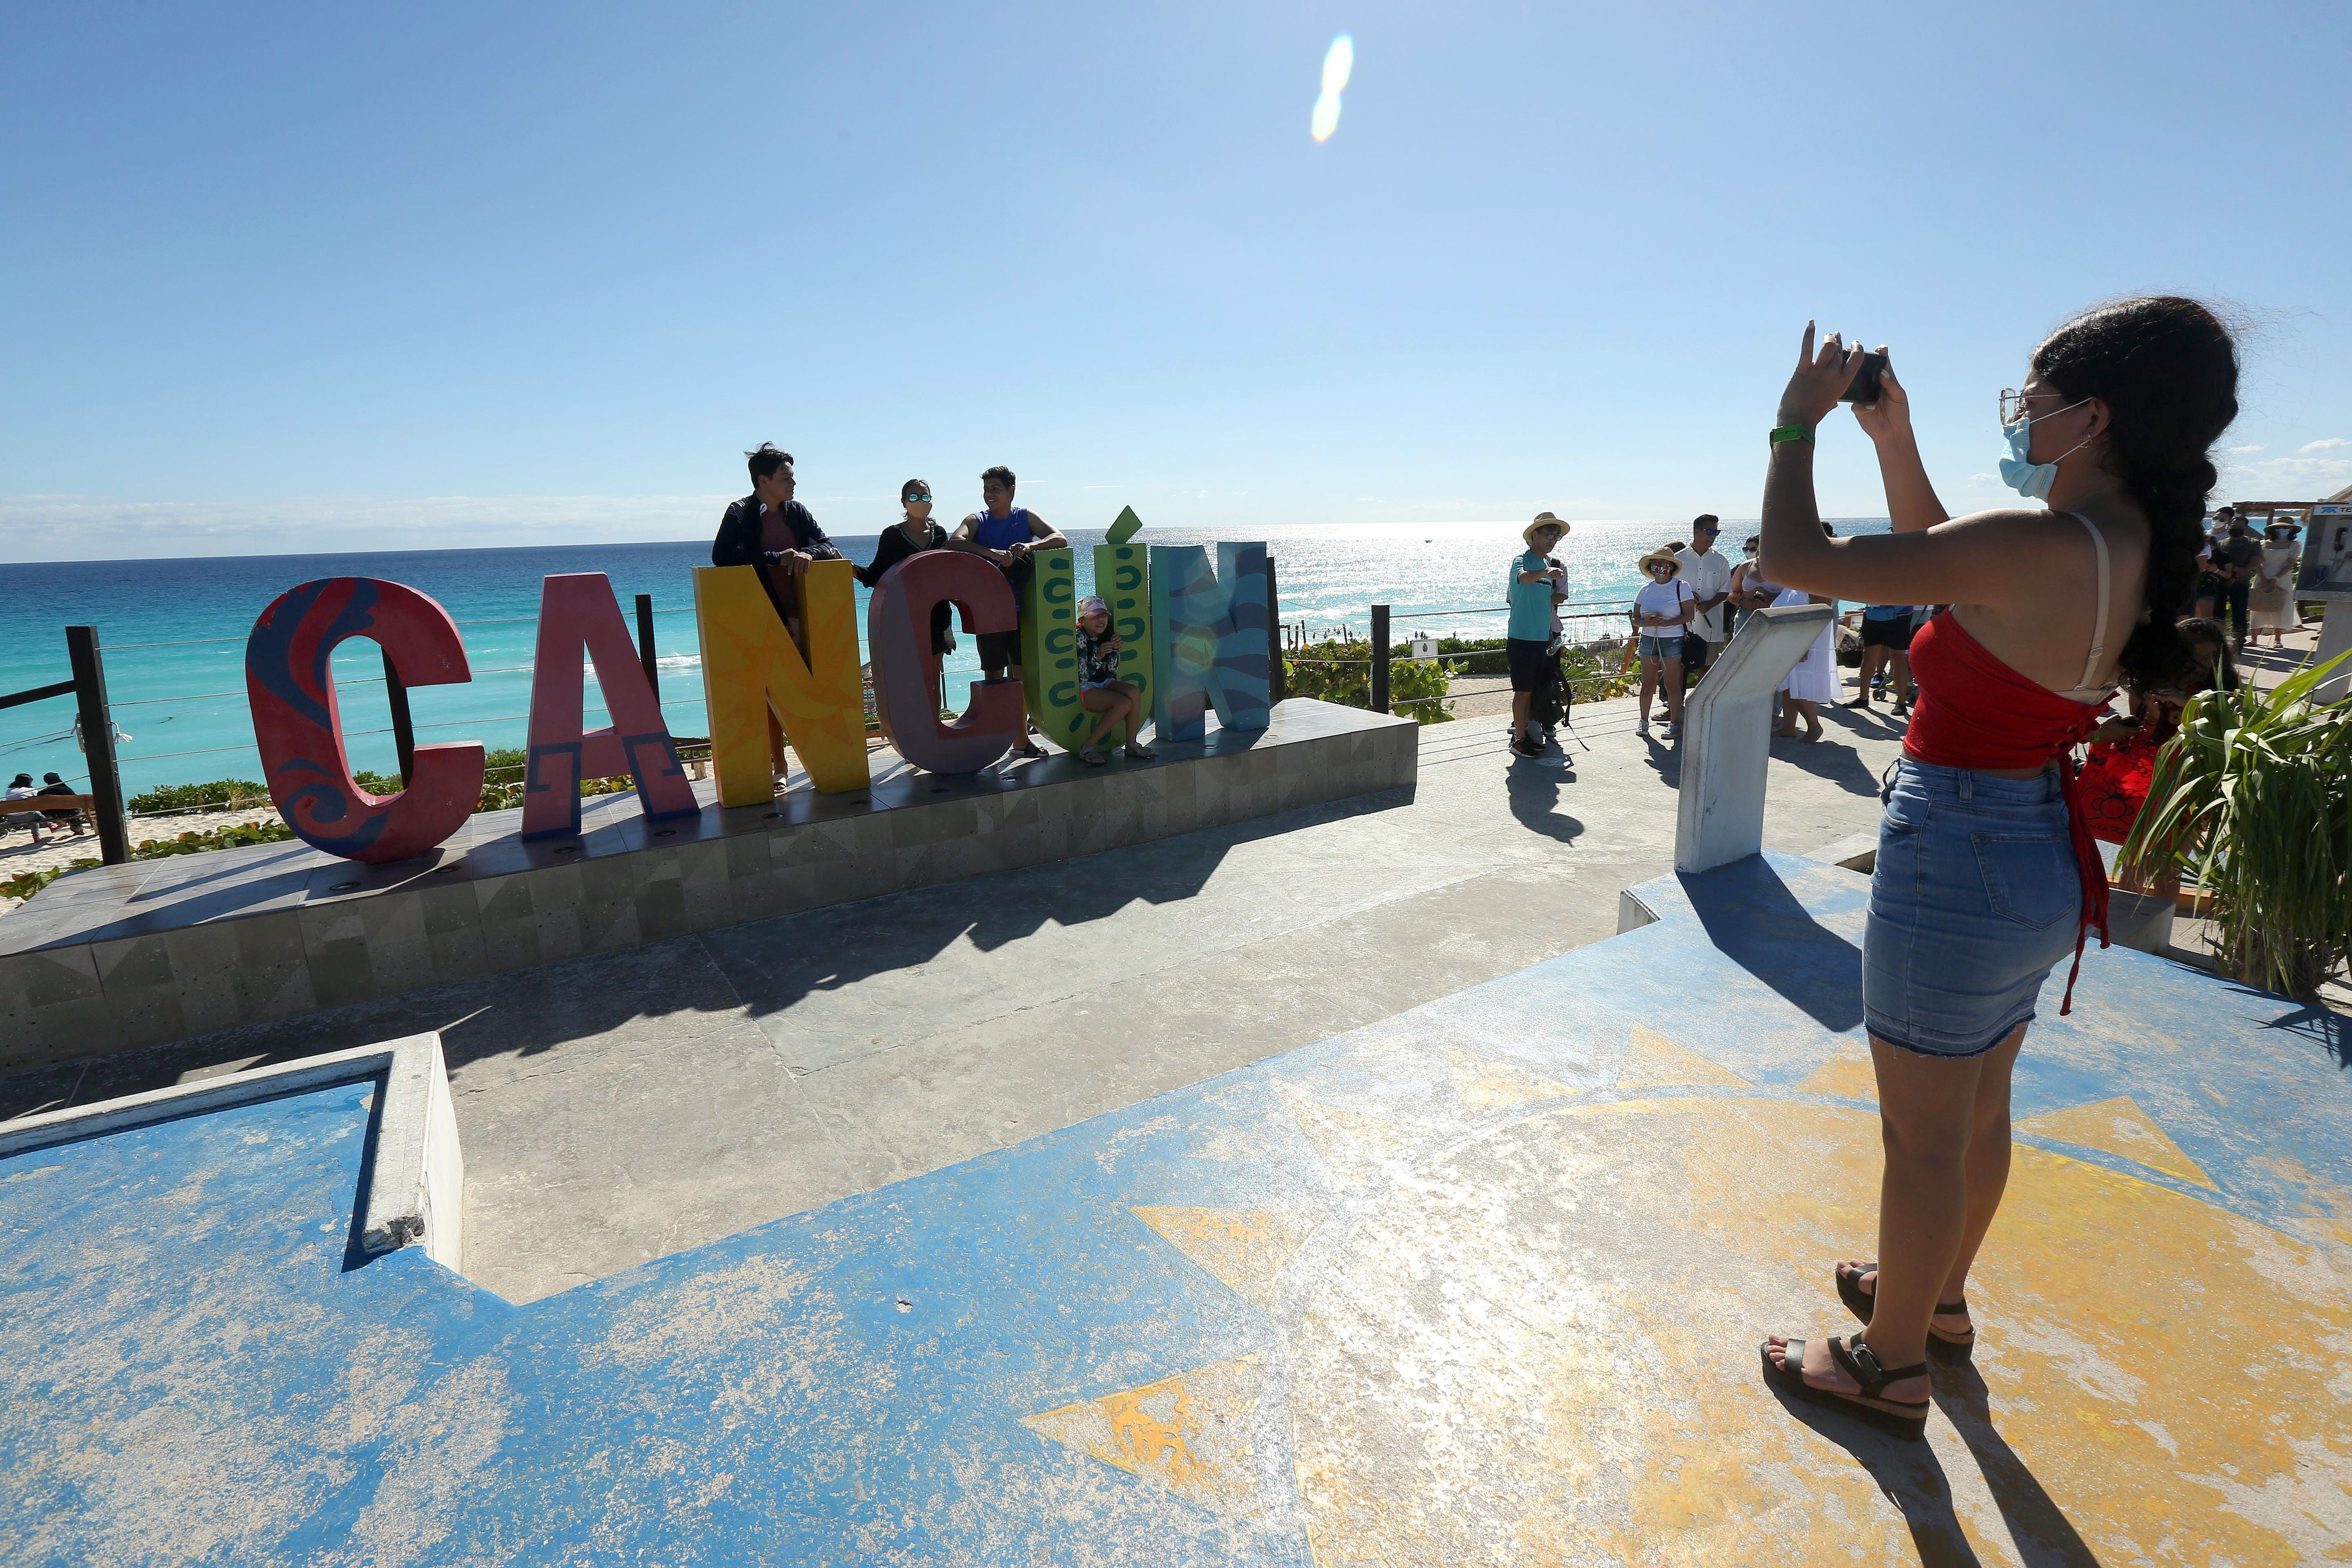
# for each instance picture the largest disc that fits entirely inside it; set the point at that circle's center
(131, 955)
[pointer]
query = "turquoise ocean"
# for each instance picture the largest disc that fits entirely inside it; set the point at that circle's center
(173, 632)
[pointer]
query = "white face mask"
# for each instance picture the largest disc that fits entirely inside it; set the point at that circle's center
(2029, 478)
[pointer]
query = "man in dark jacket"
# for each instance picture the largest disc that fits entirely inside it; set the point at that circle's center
(769, 529)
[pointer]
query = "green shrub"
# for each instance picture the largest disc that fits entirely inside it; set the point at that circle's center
(179, 797)
(1342, 673)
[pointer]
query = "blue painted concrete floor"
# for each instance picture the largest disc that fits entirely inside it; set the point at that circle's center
(1481, 1283)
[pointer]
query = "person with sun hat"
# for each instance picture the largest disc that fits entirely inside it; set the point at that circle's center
(1661, 610)
(1534, 588)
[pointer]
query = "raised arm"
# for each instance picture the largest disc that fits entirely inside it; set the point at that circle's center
(1911, 502)
(1043, 535)
(1988, 558)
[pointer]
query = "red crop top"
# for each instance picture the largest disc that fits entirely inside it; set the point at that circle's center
(1974, 712)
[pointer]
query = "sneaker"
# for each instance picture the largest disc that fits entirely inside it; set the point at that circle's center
(1524, 747)
(1643, 727)
(1673, 731)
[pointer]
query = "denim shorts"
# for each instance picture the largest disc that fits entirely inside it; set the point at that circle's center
(1975, 898)
(1657, 646)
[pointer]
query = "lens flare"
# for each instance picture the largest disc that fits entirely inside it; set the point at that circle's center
(1337, 66)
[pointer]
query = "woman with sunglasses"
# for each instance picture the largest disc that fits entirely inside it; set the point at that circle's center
(912, 534)
(1987, 875)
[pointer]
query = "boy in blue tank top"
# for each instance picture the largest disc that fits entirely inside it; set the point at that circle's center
(1006, 534)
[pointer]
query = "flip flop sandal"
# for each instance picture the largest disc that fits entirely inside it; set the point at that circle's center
(1027, 748)
(1141, 754)
(1946, 1348)
(1903, 1418)
(1091, 757)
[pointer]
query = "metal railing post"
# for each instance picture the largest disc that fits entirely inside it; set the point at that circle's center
(403, 731)
(97, 744)
(645, 642)
(1276, 687)
(1379, 658)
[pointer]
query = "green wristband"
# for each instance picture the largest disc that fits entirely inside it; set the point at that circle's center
(1790, 432)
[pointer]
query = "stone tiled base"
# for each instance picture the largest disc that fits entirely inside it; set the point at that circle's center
(131, 955)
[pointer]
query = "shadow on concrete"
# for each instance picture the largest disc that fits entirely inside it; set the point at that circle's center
(2327, 1027)
(774, 963)
(1665, 759)
(2038, 1527)
(693, 982)
(1755, 920)
(1911, 1478)
(1826, 759)
(1534, 785)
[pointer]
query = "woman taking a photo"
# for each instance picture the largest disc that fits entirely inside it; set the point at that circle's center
(1985, 877)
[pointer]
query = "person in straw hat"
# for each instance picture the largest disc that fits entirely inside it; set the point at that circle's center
(1661, 610)
(1534, 588)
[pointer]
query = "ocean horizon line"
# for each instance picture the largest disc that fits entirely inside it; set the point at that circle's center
(1236, 532)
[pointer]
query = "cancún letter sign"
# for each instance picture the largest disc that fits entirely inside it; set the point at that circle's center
(1193, 638)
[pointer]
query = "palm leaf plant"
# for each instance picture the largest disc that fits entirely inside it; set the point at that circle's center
(2253, 797)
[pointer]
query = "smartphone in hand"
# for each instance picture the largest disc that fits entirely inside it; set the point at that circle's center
(1864, 387)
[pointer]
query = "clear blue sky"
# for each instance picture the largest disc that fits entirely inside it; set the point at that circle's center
(320, 275)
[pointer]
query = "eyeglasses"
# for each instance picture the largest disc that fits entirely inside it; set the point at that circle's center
(1748, 550)
(916, 495)
(2016, 406)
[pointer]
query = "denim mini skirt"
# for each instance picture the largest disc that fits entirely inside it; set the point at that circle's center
(1975, 897)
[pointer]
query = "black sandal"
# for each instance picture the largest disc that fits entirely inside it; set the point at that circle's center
(1952, 1349)
(1895, 1418)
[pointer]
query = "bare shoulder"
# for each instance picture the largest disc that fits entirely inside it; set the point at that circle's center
(2026, 533)
(1038, 526)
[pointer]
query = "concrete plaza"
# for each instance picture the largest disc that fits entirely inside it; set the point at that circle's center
(621, 1108)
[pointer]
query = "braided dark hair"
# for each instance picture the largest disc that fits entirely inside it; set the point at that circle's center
(2167, 368)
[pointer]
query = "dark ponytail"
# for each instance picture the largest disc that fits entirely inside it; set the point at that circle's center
(2166, 369)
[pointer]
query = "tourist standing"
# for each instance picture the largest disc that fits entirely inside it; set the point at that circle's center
(744, 530)
(1813, 679)
(2244, 556)
(1709, 576)
(915, 532)
(2271, 606)
(1749, 591)
(1006, 535)
(1534, 584)
(1886, 645)
(2206, 600)
(1662, 610)
(1985, 878)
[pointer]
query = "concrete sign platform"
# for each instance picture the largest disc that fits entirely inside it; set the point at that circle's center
(120, 956)
(1481, 1283)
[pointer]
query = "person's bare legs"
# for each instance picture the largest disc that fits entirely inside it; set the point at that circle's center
(1987, 1180)
(1928, 1122)
(1134, 699)
(1899, 676)
(1108, 709)
(1871, 658)
(1671, 677)
(1649, 684)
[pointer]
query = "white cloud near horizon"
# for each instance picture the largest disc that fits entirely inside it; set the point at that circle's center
(2327, 445)
(2240, 451)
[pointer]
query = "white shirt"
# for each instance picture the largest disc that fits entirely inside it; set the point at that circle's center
(1708, 575)
(1664, 599)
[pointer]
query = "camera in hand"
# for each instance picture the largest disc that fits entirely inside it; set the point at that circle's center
(1863, 388)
